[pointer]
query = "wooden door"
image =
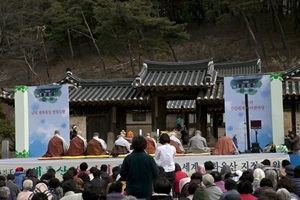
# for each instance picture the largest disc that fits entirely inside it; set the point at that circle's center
(97, 124)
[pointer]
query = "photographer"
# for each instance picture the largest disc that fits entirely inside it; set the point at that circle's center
(294, 140)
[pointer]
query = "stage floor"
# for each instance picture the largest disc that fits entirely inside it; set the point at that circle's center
(188, 163)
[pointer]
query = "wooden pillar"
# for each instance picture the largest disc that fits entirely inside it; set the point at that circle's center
(215, 125)
(159, 113)
(293, 113)
(201, 119)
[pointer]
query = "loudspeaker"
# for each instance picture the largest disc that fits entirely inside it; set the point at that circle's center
(255, 147)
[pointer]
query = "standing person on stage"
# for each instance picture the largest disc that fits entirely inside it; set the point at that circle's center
(294, 140)
(77, 146)
(151, 144)
(164, 156)
(176, 142)
(73, 132)
(178, 123)
(57, 146)
(139, 169)
(198, 144)
(122, 146)
(96, 146)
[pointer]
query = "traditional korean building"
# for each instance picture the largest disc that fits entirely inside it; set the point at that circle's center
(160, 92)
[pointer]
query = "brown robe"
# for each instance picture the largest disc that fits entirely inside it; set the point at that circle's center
(55, 147)
(150, 149)
(118, 150)
(224, 146)
(178, 150)
(94, 148)
(76, 147)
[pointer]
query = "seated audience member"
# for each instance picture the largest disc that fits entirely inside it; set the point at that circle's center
(113, 176)
(284, 193)
(57, 146)
(269, 195)
(266, 163)
(27, 190)
(197, 144)
(192, 189)
(104, 175)
(285, 182)
(201, 194)
(79, 184)
(224, 170)
(19, 177)
(209, 166)
(258, 174)
(162, 189)
(284, 163)
(54, 187)
(14, 189)
(247, 175)
(289, 171)
(151, 144)
(295, 180)
(218, 180)
(115, 191)
(245, 189)
(96, 146)
(32, 175)
(98, 184)
(77, 146)
(178, 176)
(39, 196)
(176, 142)
(183, 186)
(265, 185)
(86, 180)
(90, 194)
(201, 169)
(69, 194)
(272, 174)
(231, 187)
(122, 146)
(212, 190)
(224, 146)
(83, 169)
(42, 188)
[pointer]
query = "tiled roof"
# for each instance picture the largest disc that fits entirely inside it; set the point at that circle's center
(238, 68)
(291, 72)
(176, 74)
(181, 104)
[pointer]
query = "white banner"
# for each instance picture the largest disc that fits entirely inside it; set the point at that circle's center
(187, 163)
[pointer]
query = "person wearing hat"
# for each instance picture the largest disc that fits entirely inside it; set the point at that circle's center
(96, 146)
(57, 146)
(122, 146)
(289, 171)
(73, 132)
(77, 146)
(19, 177)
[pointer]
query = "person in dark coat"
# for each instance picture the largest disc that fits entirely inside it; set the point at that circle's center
(139, 169)
(14, 189)
(32, 175)
(97, 184)
(115, 191)
(162, 188)
(296, 180)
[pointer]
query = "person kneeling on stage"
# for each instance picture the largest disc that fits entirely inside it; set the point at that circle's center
(198, 144)
(224, 146)
(57, 146)
(96, 146)
(77, 146)
(122, 146)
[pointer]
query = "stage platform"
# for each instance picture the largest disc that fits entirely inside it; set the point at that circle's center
(188, 162)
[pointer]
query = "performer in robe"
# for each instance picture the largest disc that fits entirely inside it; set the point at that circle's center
(96, 146)
(122, 146)
(198, 144)
(73, 132)
(224, 146)
(77, 146)
(176, 142)
(57, 146)
(151, 144)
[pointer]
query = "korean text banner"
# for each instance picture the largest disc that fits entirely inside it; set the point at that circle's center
(48, 108)
(257, 88)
